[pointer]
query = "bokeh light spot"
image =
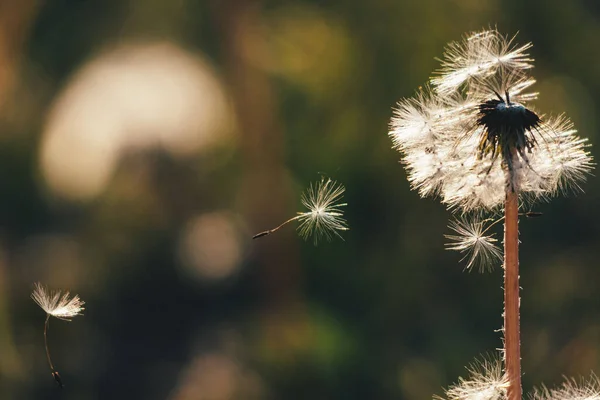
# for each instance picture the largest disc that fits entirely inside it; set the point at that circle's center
(131, 97)
(211, 246)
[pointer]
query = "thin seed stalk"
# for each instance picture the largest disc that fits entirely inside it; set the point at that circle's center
(265, 233)
(512, 336)
(46, 342)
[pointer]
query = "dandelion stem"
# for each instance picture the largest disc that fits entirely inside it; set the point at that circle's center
(265, 233)
(512, 340)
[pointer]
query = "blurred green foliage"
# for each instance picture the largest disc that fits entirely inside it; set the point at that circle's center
(385, 314)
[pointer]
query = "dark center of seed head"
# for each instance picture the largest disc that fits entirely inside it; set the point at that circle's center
(505, 126)
(509, 118)
(512, 115)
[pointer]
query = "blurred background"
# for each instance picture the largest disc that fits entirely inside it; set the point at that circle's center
(144, 142)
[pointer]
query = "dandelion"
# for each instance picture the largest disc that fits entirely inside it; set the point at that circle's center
(471, 134)
(59, 305)
(571, 390)
(324, 217)
(486, 382)
(472, 138)
(471, 238)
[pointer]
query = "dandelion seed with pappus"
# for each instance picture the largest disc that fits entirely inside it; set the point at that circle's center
(59, 305)
(324, 217)
(472, 138)
(471, 238)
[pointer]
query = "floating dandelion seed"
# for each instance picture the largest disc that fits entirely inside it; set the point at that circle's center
(487, 381)
(59, 305)
(471, 134)
(471, 238)
(324, 217)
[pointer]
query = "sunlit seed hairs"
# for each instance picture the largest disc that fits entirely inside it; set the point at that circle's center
(486, 381)
(480, 55)
(471, 134)
(324, 218)
(471, 238)
(59, 305)
(571, 390)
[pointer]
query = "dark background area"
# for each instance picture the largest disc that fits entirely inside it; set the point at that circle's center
(144, 142)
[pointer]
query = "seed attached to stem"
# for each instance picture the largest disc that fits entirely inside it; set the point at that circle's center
(324, 217)
(59, 305)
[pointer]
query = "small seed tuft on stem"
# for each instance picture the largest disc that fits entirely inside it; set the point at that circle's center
(324, 217)
(59, 305)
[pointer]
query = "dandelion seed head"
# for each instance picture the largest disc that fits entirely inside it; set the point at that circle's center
(471, 238)
(486, 381)
(56, 303)
(471, 135)
(324, 217)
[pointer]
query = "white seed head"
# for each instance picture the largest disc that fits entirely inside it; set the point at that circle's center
(324, 217)
(571, 390)
(57, 303)
(486, 382)
(480, 249)
(459, 139)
